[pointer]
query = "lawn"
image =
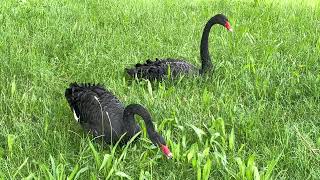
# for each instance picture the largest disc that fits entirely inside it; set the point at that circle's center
(256, 117)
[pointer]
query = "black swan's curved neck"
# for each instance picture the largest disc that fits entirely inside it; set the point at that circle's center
(206, 63)
(128, 118)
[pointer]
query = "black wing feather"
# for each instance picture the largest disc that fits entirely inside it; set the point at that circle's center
(158, 69)
(98, 109)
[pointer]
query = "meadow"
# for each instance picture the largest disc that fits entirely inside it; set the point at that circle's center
(256, 117)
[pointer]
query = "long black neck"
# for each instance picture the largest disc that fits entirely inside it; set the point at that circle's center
(206, 63)
(130, 123)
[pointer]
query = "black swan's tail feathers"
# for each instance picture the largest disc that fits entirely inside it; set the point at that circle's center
(72, 95)
(146, 72)
(149, 62)
(138, 65)
(132, 72)
(86, 86)
(75, 90)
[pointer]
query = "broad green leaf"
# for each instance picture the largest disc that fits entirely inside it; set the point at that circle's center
(149, 88)
(95, 154)
(198, 131)
(256, 173)
(176, 150)
(242, 167)
(10, 142)
(271, 166)
(249, 169)
(231, 140)
(206, 151)
(82, 170)
(74, 172)
(106, 158)
(13, 87)
(169, 72)
(53, 166)
(194, 162)
(190, 154)
(198, 172)
(206, 170)
(30, 177)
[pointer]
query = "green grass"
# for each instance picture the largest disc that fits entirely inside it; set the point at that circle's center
(256, 116)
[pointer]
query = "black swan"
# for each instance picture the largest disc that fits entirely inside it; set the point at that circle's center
(102, 114)
(158, 69)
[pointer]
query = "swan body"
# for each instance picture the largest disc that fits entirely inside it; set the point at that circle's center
(103, 115)
(159, 69)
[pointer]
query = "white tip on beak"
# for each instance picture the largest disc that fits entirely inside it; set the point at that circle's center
(169, 156)
(231, 30)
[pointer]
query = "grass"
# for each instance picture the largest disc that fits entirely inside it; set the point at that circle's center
(255, 117)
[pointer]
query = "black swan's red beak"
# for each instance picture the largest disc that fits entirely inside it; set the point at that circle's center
(227, 25)
(166, 151)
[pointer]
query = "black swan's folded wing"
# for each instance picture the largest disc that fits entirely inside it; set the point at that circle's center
(159, 69)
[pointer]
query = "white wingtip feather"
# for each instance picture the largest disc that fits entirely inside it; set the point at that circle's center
(75, 116)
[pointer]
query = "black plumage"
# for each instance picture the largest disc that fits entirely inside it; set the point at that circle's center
(159, 69)
(102, 114)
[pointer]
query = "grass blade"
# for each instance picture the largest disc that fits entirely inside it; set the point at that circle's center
(122, 174)
(82, 170)
(206, 170)
(10, 142)
(198, 131)
(73, 173)
(106, 159)
(20, 167)
(95, 154)
(231, 140)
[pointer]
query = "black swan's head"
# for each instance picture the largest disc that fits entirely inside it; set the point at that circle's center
(223, 20)
(159, 141)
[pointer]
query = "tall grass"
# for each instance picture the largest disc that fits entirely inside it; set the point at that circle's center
(255, 117)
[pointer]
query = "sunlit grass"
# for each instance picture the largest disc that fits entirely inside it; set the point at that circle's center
(255, 117)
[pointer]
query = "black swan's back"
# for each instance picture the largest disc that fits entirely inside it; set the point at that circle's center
(159, 69)
(97, 109)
